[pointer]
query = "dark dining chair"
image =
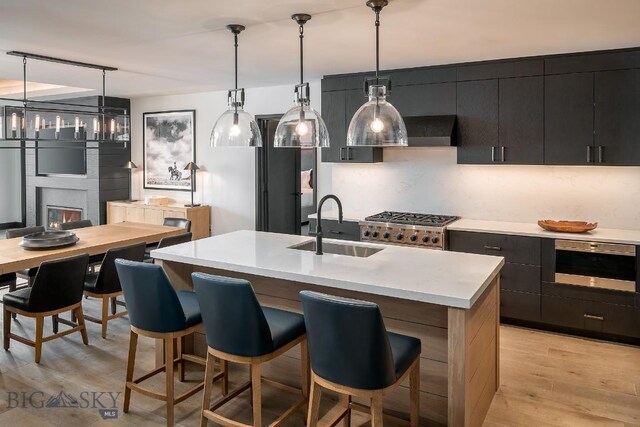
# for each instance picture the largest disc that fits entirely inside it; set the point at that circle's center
(353, 354)
(240, 330)
(106, 285)
(168, 241)
(73, 225)
(157, 311)
(27, 274)
(56, 289)
(178, 222)
(8, 281)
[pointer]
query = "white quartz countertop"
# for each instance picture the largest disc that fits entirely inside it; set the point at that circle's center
(438, 277)
(607, 235)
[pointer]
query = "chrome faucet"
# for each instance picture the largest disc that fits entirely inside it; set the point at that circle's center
(319, 219)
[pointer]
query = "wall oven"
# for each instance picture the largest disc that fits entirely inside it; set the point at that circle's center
(599, 265)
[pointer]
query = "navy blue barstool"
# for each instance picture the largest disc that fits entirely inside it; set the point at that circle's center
(157, 311)
(240, 330)
(353, 354)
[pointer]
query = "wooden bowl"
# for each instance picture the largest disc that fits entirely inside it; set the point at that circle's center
(567, 226)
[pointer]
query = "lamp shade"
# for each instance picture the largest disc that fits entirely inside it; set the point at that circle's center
(301, 127)
(191, 167)
(236, 128)
(130, 165)
(377, 123)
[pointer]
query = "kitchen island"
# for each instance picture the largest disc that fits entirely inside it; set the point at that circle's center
(448, 300)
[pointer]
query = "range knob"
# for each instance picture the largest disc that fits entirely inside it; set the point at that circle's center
(413, 237)
(425, 238)
(366, 233)
(386, 234)
(375, 234)
(435, 239)
(399, 236)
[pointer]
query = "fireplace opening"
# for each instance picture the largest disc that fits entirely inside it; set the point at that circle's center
(57, 215)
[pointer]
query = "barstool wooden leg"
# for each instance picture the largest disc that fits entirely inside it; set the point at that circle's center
(224, 382)
(105, 315)
(179, 347)
(346, 404)
(256, 392)
(169, 357)
(131, 362)
(39, 333)
(314, 404)
(83, 326)
(376, 410)
(208, 385)
(305, 369)
(6, 318)
(414, 393)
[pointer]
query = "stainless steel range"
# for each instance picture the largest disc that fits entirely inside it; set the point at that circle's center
(403, 228)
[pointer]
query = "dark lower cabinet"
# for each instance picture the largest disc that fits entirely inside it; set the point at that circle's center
(591, 316)
(515, 249)
(332, 229)
(520, 278)
(519, 306)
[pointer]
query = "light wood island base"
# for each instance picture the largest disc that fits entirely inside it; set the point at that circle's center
(459, 361)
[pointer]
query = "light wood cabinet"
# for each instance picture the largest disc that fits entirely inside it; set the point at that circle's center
(150, 214)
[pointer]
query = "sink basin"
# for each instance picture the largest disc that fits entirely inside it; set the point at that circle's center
(337, 249)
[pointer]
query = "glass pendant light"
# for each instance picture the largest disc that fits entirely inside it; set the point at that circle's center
(301, 126)
(377, 123)
(235, 127)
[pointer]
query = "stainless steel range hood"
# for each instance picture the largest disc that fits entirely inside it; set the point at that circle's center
(431, 131)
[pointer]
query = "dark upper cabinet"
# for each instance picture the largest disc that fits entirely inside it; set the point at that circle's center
(568, 123)
(333, 113)
(521, 120)
(425, 100)
(338, 107)
(617, 117)
(478, 132)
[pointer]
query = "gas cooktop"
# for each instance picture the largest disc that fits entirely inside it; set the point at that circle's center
(427, 220)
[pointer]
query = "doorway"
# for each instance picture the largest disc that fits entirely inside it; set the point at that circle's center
(285, 183)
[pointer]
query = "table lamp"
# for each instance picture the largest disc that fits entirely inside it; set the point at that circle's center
(192, 167)
(131, 166)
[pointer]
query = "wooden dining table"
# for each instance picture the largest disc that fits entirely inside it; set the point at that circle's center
(93, 241)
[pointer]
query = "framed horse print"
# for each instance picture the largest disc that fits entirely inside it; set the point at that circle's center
(169, 143)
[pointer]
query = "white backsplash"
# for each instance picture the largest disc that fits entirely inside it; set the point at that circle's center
(429, 180)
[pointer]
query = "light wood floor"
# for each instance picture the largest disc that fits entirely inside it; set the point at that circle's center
(546, 380)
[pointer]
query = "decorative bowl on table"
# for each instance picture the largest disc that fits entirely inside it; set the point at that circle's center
(49, 240)
(567, 226)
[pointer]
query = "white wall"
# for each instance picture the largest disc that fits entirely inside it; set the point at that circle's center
(429, 180)
(227, 181)
(10, 199)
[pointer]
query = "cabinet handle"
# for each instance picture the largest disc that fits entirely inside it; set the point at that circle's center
(502, 153)
(493, 154)
(335, 232)
(342, 153)
(588, 154)
(493, 248)
(348, 153)
(592, 317)
(600, 154)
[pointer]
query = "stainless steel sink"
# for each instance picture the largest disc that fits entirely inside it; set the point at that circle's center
(338, 249)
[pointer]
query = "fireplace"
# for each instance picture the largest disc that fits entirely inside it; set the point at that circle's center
(57, 215)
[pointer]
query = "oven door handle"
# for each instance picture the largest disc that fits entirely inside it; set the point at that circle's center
(593, 317)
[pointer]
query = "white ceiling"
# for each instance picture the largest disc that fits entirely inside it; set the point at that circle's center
(168, 46)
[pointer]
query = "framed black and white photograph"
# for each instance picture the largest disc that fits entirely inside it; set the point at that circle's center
(169, 145)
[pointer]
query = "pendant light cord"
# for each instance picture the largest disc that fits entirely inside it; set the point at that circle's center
(235, 46)
(377, 11)
(301, 30)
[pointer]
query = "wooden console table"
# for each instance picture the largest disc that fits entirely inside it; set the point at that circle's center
(121, 211)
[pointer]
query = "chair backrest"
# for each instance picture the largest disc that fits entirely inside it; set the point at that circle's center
(178, 222)
(232, 317)
(72, 225)
(348, 342)
(174, 240)
(108, 281)
(152, 302)
(21, 232)
(58, 284)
